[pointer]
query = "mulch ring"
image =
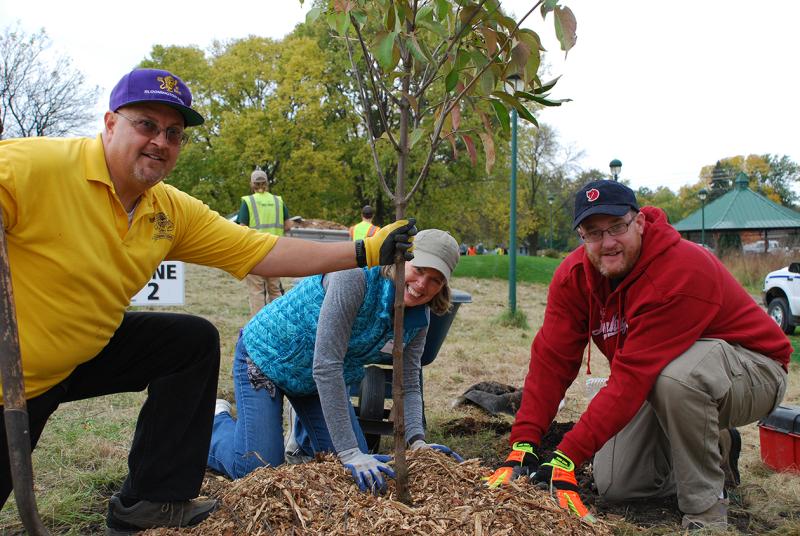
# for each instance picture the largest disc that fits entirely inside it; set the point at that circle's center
(659, 514)
(321, 498)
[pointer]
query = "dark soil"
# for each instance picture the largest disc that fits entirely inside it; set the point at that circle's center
(644, 513)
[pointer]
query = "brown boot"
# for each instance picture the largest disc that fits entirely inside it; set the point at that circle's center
(713, 519)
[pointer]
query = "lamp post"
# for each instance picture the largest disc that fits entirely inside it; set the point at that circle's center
(514, 83)
(702, 194)
(615, 166)
(550, 200)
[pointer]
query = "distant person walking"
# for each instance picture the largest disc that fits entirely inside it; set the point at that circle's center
(266, 213)
(362, 230)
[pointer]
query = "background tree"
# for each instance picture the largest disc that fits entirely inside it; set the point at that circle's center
(544, 167)
(770, 175)
(40, 95)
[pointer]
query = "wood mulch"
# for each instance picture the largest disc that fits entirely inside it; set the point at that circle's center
(321, 498)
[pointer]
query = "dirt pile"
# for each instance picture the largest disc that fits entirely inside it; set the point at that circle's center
(321, 498)
(318, 224)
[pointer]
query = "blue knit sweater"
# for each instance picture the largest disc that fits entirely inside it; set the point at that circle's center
(280, 339)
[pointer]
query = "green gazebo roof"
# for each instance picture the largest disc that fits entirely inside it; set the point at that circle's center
(741, 208)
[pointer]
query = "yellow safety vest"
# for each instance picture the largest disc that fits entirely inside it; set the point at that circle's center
(362, 230)
(266, 212)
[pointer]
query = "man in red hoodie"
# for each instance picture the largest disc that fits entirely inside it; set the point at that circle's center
(692, 357)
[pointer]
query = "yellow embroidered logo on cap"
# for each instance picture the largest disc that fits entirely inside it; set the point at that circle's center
(169, 83)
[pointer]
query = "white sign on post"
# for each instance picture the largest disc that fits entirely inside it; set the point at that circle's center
(165, 288)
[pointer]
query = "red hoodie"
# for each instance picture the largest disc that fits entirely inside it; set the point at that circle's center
(675, 294)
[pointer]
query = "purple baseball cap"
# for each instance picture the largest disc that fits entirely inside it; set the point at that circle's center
(155, 85)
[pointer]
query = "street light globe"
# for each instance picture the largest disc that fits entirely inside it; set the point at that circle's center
(702, 194)
(550, 199)
(615, 166)
(514, 83)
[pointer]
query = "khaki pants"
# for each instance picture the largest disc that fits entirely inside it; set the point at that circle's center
(671, 445)
(261, 291)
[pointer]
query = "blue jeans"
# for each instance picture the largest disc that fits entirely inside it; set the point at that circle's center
(255, 438)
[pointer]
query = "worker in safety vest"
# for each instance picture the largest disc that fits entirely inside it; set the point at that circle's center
(266, 213)
(364, 229)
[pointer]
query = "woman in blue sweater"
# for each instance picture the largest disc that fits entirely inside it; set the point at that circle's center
(311, 344)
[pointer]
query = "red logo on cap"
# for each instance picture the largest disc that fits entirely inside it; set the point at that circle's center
(592, 194)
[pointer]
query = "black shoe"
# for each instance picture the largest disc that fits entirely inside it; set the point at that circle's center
(122, 520)
(730, 446)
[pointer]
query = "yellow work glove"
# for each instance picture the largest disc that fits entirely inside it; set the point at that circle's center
(523, 460)
(558, 477)
(379, 249)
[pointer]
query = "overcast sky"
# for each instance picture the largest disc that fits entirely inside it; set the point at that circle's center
(666, 87)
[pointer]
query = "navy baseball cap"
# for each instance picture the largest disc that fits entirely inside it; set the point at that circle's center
(155, 85)
(603, 197)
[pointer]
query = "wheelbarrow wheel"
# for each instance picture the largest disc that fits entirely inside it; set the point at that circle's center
(370, 402)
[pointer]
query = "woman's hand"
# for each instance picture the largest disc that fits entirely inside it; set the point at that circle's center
(367, 470)
(421, 444)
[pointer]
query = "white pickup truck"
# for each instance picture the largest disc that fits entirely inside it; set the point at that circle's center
(781, 295)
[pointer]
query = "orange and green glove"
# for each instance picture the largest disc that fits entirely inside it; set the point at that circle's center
(558, 476)
(523, 460)
(379, 249)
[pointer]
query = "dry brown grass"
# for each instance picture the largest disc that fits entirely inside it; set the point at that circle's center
(81, 458)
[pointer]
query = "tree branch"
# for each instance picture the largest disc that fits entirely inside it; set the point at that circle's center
(372, 77)
(365, 113)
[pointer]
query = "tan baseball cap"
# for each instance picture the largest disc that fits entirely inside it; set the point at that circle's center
(434, 248)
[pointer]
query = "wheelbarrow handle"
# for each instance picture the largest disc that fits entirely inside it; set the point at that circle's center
(15, 411)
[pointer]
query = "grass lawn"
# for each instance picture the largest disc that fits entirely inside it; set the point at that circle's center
(81, 458)
(529, 269)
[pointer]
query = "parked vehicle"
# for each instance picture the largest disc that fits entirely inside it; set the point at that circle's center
(781, 296)
(758, 247)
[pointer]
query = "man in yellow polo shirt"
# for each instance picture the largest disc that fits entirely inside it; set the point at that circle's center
(87, 221)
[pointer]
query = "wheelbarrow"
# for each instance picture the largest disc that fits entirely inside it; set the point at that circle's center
(376, 387)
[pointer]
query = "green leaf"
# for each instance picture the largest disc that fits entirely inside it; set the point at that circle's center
(339, 22)
(390, 19)
(442, 9)
(488, 81)
(541, 100)
(313, 14)
(565, 28)
(416, 51)
(525, 113)
(547, 86)
(470, 14)
(383, 50)
(531, 38)
(502, 114)
(507, 99)
(425, 13)
(450, 80)
(416, 135)
(548, 6)
(435, 27)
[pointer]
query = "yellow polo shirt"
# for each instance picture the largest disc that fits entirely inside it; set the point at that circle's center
(75, 264)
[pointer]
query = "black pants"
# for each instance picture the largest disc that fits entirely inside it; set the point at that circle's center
(174, 356)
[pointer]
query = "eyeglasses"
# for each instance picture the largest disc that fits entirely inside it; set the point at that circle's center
(174, 135)
(596, 235)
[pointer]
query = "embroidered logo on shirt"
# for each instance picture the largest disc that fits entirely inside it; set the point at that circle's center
(611, 328)
(163, 228)
(593, 194)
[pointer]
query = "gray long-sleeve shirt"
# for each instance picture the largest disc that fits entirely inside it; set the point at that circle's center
(344, 294)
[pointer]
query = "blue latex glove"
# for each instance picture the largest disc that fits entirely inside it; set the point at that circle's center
(420, 444)
(367, 470)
